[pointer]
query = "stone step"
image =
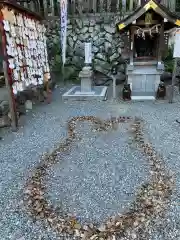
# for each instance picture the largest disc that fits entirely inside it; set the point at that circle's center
(4, 108)
(2, 81)
(5, 121)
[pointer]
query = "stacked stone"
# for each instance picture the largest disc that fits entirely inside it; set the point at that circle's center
(107, 44)
(4, 110)
(2, 81)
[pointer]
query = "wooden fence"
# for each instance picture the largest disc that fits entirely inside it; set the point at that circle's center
(81, 7)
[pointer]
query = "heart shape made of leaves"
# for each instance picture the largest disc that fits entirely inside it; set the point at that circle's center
(150, 202)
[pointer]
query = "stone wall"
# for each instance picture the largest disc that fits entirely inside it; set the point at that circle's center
(107, 44)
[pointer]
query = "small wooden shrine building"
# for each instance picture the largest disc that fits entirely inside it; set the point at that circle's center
(147, 36)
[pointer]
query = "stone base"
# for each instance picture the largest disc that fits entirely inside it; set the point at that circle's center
(137, 98)
(98, 93)
(5, 121)
(86, 79)
(84, 93)
(144, 79)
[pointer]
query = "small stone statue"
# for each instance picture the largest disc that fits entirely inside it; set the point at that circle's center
(161, 92)
(126, 92)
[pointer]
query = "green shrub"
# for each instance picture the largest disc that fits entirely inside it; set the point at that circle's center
(169, 60)
(71, 72)
(54, 53)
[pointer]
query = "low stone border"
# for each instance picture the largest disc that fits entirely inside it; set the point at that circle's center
(150, 202)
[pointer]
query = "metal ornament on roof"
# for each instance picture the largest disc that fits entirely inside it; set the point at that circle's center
(148, 19)
(140, 32)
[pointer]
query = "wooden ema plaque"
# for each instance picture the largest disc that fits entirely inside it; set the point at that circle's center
(24, 48)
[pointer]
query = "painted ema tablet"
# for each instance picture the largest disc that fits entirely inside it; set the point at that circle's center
(176, 53)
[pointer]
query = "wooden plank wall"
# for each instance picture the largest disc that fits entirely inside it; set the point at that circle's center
(51, 7)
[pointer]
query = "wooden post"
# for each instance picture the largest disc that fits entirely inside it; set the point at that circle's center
(176, 55)
(123, 7)
(161, 43)
(45, 8)
(73, 6)
(14, 121)
(101, 6)
(63, 22)
(62, 71)
(131, 5)
(118, 6)
(108, 6)
(172, 5)
(25, 5)
(12, 105)
(114, 87)
(52, 7)
(94, 6)
(138, 3)
(171, 95)
(131, 45)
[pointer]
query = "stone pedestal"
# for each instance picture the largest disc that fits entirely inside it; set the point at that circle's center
(144, 79)
(86, 91)
(86, 81)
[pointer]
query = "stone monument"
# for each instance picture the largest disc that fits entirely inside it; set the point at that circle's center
(86, 74)
(86, 91)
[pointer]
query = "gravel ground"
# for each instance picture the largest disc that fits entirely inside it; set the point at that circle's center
(98, 179)
(46, 126)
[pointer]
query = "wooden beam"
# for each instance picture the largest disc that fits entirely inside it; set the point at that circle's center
(159, 11)
(142, 22)
(73, 7)
(108, 5)
(118, 5)
(165, 3)
(101, 6)
(172, 5)
(52, 7)
(171, 95)
(124, 6)
(138, 3)
(25, 5)
(131, 19)
(14, 121)
(8, 78)
(161, 42)
(32, 6)
(149, 5)
(131, 5)
(45, 8)
(20, 8)
(132, 45)
(94, 5)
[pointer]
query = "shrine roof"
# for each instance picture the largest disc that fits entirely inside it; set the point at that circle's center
(171, 17)
(20, 8)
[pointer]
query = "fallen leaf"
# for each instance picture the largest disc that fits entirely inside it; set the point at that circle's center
(77, 226)
(102, 228)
